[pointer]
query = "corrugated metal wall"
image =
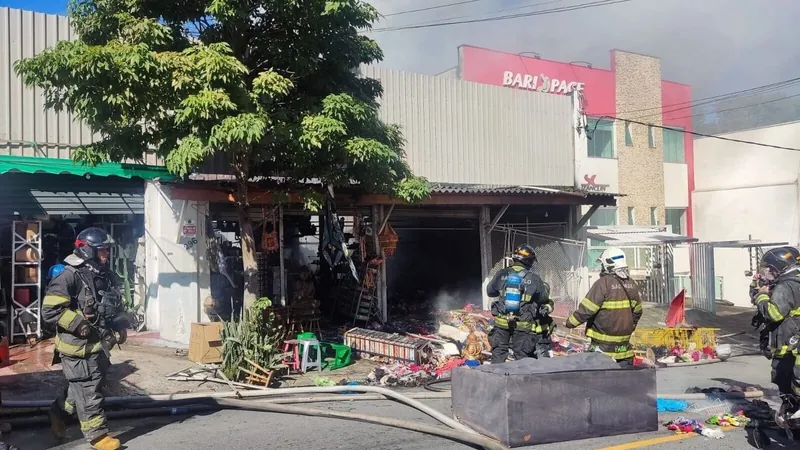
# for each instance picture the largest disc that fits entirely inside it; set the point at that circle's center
(462, 132)
(26, 129)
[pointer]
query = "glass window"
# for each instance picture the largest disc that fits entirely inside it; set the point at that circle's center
(651, 136)
(630, 215)
(628, 138)
(677, 218)
(603, 217)
(673, 145)
(653, 218)
(601, 138)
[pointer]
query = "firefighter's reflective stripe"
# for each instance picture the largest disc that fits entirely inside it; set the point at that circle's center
(574, 321)
(93, 423)
(617, 304)
(772, 310)
(502, 322)
(590, 305)
(780, 352)
(69, 319)
(55, 300)
(617, 352)
(78, 348)
(607, 338)
(537, 328)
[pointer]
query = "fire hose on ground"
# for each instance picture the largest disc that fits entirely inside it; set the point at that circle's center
(216, 400)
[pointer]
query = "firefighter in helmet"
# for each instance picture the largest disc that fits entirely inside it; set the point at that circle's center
(777, 298)
(84, 304)
(611, 309)
(517, 295)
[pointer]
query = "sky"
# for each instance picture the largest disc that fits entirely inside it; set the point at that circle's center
(716, 46)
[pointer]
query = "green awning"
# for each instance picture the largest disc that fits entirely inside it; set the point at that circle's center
(26, 164)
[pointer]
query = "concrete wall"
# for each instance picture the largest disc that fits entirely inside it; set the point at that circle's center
(177, 275)
(676, 188)
(641, 168)
(746, 191)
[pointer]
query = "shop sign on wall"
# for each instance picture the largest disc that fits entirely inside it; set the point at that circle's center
(591, 185)
(540, 83)
(189, 229)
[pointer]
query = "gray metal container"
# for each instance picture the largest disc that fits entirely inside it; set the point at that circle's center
(549, 400)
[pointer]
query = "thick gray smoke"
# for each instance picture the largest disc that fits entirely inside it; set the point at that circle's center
(717, 46)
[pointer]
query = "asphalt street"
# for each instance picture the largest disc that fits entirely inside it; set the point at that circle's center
(248, 430)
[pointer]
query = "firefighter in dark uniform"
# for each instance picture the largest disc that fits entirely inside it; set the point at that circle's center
(89, 317)
(543, 326)
(611, 310)
(518, 294)
(777, 297)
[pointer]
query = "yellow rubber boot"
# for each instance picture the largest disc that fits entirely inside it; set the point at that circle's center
(106, 443)
(57, 424)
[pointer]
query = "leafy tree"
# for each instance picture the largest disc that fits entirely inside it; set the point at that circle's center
(271, 84)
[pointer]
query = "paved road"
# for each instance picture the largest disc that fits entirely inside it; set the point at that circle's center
(248, 430)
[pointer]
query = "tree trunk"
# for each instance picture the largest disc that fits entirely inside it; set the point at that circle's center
(248, 247)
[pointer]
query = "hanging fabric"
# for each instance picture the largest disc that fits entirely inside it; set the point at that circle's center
(388, 240)
(269, 240)
(334, 249)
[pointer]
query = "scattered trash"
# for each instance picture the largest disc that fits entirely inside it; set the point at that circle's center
(682, 425)
(322, 381)
(729, 420)
(665, 405)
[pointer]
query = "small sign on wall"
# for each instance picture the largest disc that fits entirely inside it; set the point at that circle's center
(189, 229)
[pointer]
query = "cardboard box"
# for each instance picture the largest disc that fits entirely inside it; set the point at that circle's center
(205, 343)
(27, 274)
(26, 230)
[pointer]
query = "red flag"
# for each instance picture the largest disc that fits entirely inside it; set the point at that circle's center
(675, 313)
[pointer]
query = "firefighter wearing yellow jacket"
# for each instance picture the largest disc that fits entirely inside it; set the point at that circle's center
(611, 310)
(83, 303)
(777, 298)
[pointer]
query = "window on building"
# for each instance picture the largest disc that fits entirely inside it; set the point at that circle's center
(630, 215)
(628, 137)
(601, 138)
(651, 136)
(673, 145)
(653, 217)
(677, 218)
(603, 217)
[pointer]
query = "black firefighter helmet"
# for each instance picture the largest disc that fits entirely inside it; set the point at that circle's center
(525, 255)
(780, 259)
(89, 241)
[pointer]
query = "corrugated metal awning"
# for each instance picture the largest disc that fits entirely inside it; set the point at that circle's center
(53, 166)
(463, 188)
(35, 195)
(633, 236)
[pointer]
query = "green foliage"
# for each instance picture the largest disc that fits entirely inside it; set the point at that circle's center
(257, 337)
(274, 85)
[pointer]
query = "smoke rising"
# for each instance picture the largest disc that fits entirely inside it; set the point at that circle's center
(717, 46)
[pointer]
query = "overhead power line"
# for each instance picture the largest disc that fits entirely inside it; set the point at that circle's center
(717, 98)
(738, 107)
(694, 133)
(515, 8)
(542, 12)
(430, 8)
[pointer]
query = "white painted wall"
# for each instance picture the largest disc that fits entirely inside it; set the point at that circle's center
(676, 185)
(746, 191)
(177, 278)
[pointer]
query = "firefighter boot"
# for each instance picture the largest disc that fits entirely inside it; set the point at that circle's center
(106, 442)
(57, 424)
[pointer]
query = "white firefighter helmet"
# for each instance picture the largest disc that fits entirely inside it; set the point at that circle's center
(612, 259)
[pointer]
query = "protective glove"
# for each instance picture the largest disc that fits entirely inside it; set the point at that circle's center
(755, 322)
(545, 310)
(122, 336)
(83, 329)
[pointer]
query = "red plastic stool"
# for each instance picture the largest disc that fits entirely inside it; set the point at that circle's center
(292, 346)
